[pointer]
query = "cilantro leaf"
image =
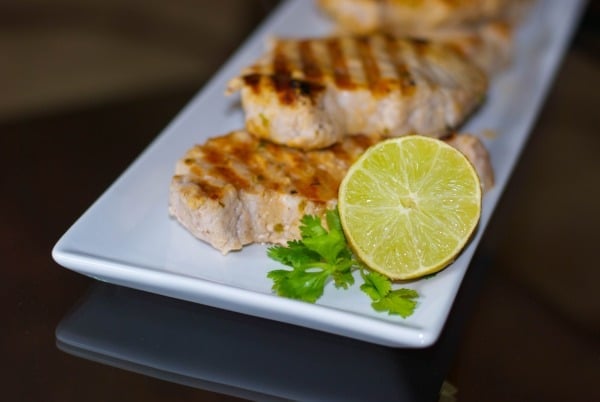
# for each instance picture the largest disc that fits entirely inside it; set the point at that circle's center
(376, 285)
(310, 226)
(379, 288)
(301, 284)
(316, 238)
(400, 302)
(294, 255)
(320, 256)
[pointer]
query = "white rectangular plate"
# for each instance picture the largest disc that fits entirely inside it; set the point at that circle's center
(126, 237)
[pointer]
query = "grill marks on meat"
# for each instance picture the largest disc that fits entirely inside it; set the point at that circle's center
(311, 93)
(237, 189)
(481, 29)
(348, 63)
(341, 74)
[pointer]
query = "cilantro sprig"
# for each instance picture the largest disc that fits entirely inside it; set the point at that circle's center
(379, 288)
(322, 256)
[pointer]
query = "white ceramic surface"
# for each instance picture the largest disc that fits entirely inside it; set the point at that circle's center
(127, 238)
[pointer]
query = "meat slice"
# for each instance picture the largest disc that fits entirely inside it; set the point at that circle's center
(421, 18)
(489, 46)
(237, 189)
(311, 93)
(477, 154)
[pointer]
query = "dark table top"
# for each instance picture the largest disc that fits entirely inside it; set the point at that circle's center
(525, 325)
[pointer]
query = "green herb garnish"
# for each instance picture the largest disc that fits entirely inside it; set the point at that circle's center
(379, 288)
(322, 256)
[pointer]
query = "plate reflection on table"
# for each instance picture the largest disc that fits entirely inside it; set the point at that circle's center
(251, 357)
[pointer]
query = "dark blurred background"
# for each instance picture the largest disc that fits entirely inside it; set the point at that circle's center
(86, 85)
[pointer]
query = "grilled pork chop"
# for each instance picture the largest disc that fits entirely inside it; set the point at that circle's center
(489, 46)
(419, 18)
(237, 189)
(312, 93)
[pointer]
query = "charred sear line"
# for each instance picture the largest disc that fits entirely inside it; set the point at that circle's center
(213, 155)
(284, 88)
(294, 171)
(253, 82)
(282, 76)
(202, 186)
(289, 90)
(341, 75)
(370, 66)
(229, 175)
(281, 64)
(254, 157)
(310, 64)
(306, 88)
(420, 45)
(405, 80)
